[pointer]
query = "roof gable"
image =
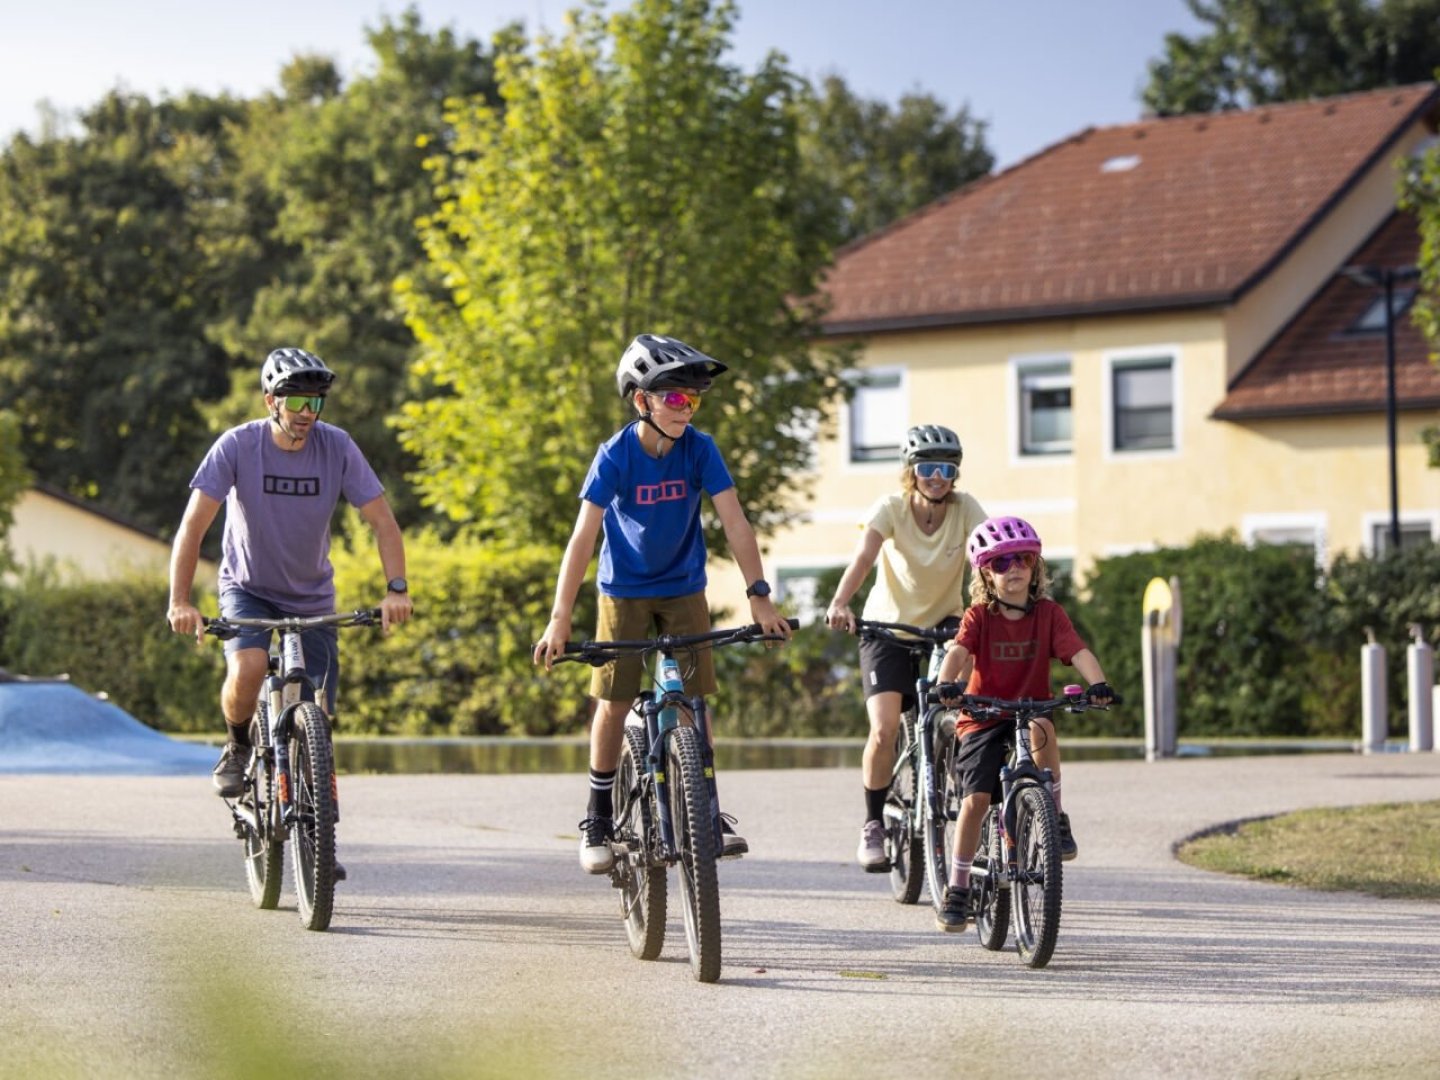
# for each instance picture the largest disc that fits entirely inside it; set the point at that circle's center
(1170, 212)
(1320, 364)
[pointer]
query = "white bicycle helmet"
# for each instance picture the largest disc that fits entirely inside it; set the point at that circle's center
(295, 371)
(653, 361)
(930, 442)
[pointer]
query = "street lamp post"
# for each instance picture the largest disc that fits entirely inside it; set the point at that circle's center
(1387, 277)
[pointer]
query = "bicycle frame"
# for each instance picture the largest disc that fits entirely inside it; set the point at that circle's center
(659, 708)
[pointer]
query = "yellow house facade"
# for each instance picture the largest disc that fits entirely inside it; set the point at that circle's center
(84, 542)
(1142, 335)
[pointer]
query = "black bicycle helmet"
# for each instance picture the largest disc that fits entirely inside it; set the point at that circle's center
(652, 361)
(930, 442)
(295, 371)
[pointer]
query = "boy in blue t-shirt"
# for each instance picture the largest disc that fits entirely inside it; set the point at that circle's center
(644, 490)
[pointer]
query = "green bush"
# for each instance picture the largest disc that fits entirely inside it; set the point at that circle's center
(462, 665)
(112, 637)
(1245, 659)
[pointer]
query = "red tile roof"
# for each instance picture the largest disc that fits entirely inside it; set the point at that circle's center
(1319, 364)
(1170, 212)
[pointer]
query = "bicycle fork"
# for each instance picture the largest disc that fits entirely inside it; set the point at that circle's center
(662, 716)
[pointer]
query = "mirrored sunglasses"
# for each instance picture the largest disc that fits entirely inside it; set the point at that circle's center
(945, 470)
(295, 402)
(678, 399)
(1002, 563)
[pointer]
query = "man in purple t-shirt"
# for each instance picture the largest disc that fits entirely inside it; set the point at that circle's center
(280, 480)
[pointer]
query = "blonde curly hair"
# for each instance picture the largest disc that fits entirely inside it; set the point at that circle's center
(982, 585)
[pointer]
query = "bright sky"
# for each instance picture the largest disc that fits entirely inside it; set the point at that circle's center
(1036, 72)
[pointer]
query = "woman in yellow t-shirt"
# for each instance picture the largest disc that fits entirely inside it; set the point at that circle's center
(918, 536)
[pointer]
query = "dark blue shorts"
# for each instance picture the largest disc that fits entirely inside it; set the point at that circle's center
(321, 644)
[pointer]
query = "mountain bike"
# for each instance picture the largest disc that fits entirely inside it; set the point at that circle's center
(290, 788)
(667, 812)
(1017, 875)
(920, 806)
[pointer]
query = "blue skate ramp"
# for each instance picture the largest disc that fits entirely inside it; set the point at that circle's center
(54, 727)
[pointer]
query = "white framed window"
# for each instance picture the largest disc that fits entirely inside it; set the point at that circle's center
(878, 415)
(1044, 421)
(1141, 406)
(1308, 529)
(1415, 527)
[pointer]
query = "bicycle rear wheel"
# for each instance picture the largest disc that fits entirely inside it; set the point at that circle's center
(903, 842)
(940, 825)
(264, 855)
(641, 878)
(988, 886)
(312, 835)
(696, 841)
(1036, 895)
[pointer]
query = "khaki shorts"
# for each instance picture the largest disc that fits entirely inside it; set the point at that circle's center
(635, 618)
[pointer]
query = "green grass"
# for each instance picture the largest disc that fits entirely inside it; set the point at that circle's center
(1388, 850)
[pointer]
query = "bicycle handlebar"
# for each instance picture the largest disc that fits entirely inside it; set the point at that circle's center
(596, 653)
(889, 631)
(1075, 699)
(230, 627)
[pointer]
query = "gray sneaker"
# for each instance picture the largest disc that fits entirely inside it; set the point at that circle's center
(871, 852)
(596, 856)
(229, 774)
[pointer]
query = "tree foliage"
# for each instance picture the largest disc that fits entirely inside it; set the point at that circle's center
(877, 163)
(1255, 52)
(635, 182)
(110, 270)
(339, 169)
(14, 478)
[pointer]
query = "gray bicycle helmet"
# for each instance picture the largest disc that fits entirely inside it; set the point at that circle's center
(295, 371)
(653, 361)
(930, 442)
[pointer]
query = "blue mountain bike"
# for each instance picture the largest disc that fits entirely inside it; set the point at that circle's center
(667, 811)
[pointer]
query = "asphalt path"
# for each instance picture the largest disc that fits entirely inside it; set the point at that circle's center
(468, 943)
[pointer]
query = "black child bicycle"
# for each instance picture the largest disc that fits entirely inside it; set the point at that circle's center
(290, 789)
(667, 812)
(1018, 873)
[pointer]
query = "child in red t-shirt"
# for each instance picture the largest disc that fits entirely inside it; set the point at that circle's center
(1013, 631)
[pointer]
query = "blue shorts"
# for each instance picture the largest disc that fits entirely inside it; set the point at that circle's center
(321, 643)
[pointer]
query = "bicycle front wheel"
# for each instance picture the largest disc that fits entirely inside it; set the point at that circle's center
(641, 876)
(903, 842)
(264, 855)
(1036, 895)
(988, 885)
(312, 833)
(944, 810)
(696, 842)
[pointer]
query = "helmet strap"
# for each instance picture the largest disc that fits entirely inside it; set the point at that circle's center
(295, 440)
(646, 417)
(1024, 608)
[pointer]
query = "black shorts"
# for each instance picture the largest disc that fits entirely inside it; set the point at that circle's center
(979, 757)
(886, 667)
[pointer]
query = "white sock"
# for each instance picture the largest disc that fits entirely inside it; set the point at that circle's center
(960, 872)
(1055, 791)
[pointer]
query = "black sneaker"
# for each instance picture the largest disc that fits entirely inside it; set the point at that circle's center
(1068, 850)
(734, 845)
(229, 774)
(596, 856)
(954, 914)
(340, 874)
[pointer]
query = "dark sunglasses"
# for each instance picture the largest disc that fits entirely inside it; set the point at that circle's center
(295, 402)
(1001, 563)
(677, 399)
(946, 470)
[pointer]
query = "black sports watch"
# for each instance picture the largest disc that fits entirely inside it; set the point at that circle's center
(397, 584)
(759, 587)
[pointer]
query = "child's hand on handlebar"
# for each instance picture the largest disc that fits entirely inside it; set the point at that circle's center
(552, 642)
(840, 617)
(770, 620)
(1100, 694)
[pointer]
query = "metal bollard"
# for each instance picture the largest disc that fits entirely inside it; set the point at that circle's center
(1373, 699)
(1420, 689)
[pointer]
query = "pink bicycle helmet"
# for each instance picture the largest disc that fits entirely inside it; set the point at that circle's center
(1001, 536)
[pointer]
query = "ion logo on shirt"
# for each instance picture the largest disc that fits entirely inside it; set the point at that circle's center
(669, 491)
(292, 485)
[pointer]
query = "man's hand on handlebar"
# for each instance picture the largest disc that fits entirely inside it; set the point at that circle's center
(185, 619)
(396, 608)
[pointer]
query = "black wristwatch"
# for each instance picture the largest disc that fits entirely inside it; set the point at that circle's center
(397, 584)
(760, 587)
